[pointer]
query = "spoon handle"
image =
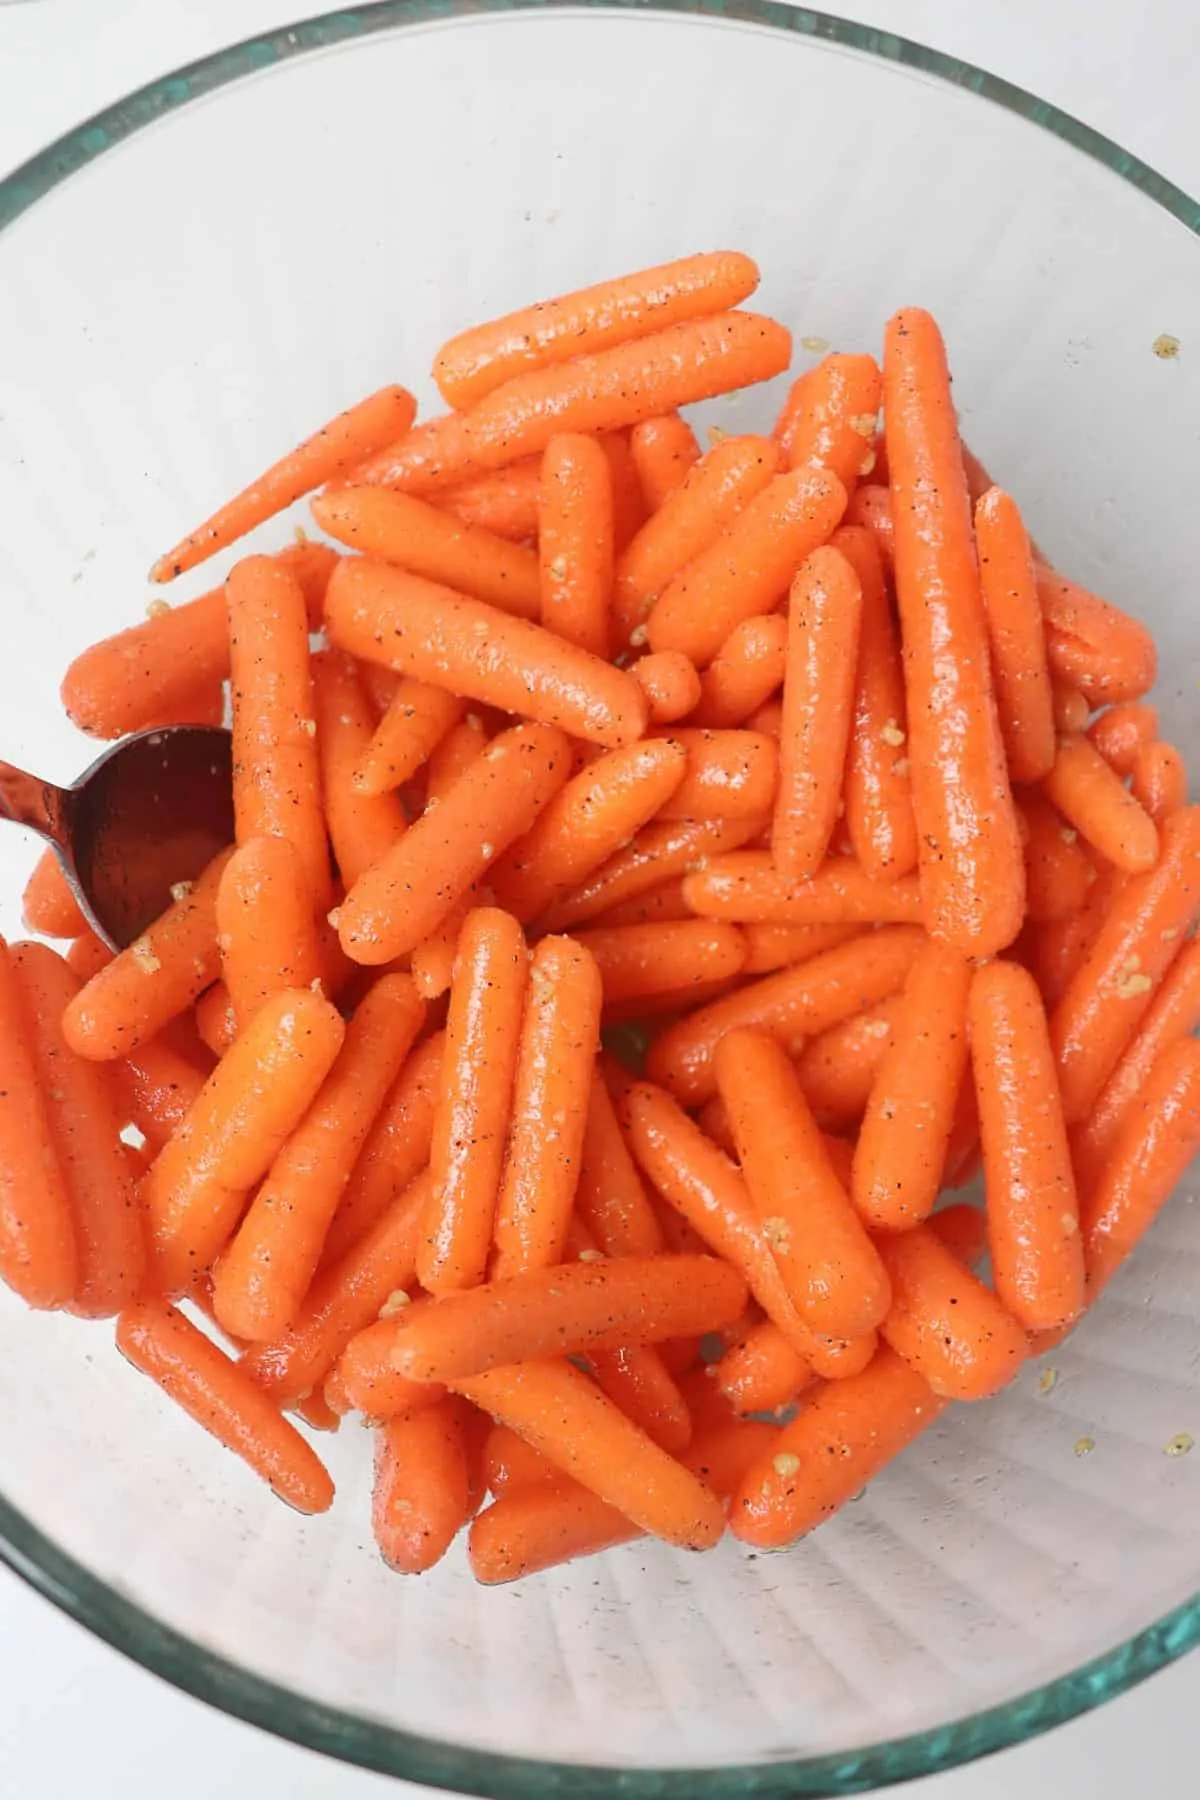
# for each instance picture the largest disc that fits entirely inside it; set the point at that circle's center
(27, 800)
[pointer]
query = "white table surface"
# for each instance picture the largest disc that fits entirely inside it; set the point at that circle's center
(75, 1717)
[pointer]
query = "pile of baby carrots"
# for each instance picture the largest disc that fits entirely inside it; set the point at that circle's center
(791, 756)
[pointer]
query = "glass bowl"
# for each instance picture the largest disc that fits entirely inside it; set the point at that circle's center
(190, 282)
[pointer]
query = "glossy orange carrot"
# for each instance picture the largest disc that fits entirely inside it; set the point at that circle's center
(362, 827)
(511, 1464)
(1058, 870)
(689, 520)
(628, 506)
(972, 874)
(670, 684)
(747, 569)
(1093, 644)
(950, 1328)
(1058, 949)
(602, 392)
(418, 718)
(585, 823)
(871, 506)
(425, 540)
(575, 542)
(1157, 1140)
(770, 947)
(348, 1295)
(837, 1070)
(638, 960)
(454, 754)
(215, 1019)
(829, 1266)
(1032, 1212)
(610, 1200)
(792, 1005)
(146, 675)
(658, 852)
(763, 1372)
(466, 1157)
(276, 773)
(1072, 709)
(477, 651)
(663, 451)
(559, 1037)
(157, 1087)
(213, 1390)
(830, 418)
(1093, 798)
(745, 887)
(406, 896)
(729, 775)
(84, 1127)
(266, 1270)
(86, 956)
(249, 1106)
(844, 1435)
(1119, 732)
(1159, 781)
(565, 1416)
(744, 674)
(637, 1381)
(155, 979)
(315, 1412)
(504, 502)
(1104, 1003)
(420, 1499)
(363, 429)
(824, 615)
(1017, 636)
(395, 1152)
(642, 1008)
(48, 904)
(364, 1379)
(39, 1249)
(963, 1230)
(265, 924)
(905, 1132)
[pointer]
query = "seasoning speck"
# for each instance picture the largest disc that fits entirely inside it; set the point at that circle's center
(1047, 1381)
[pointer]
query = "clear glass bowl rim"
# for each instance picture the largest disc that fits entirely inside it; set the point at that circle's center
(369, 1744)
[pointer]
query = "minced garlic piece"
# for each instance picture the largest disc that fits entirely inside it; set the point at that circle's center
(1084, 1446)
(395, 1303)
(786, 1464)
(143, 955)
(181, 889)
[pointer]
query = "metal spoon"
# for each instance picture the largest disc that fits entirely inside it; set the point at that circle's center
(150, 812)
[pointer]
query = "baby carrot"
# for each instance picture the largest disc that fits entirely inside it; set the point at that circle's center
(744, 674)
(565, 1416)
(1093, 644)
(844, 1435)
(385, 615)
(878, 787)
(39, 1252)
(963, 1230)
(276, 774)
(628, 506)
(637, 1381)
(575, 542)
(363, 429)
(1058, 870)
(950, 1328)
(657, 853)
(1094, 799)
(510, 1463)
(610, 1200)
(406, 896)
(1032, 1213)
(265, 924)
(362, 827)
(602, 392)
(588, 820)
(396, 1150)
(1017, 636)
(906, 1130)
(796, 1003)
(770, 947)
(244, 1114)
(348, 1295)
(48, 904)
(729, 775)
(266, 1270)
(147, 675)
(828, 1264)
(670, 684)
(86, 955)
(663, 451)
(559, 1037)
(1159, 781)
(745, 887)
(215, 1019)
(364, 1379)
(637, 960)
(745, 571)
(689, 520)
(871, 507)
(466, 1157)
(972, 874)
(1119, 732)
(425, 540)
(824, 614)
(1071, 708)
(109, 1249)
(830, 417)
(763, 1372)
(157, 1088)
(220, 1396)
(1107, 998)
(1157, 1140)
(420, 1500)
(504, 502)
(595, 318)
(155, 979)
(418, 718)
(837, 1070)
